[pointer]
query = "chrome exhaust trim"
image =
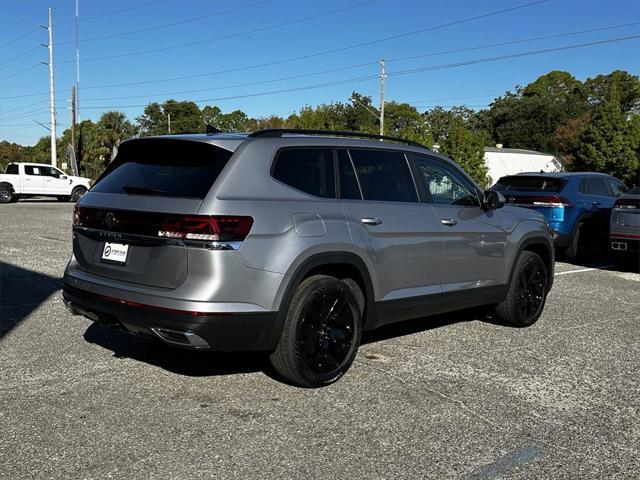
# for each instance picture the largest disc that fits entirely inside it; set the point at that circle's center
(184, 338)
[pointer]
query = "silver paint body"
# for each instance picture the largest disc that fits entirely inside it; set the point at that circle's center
(410, 254)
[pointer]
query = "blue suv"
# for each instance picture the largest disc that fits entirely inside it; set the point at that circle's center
(577, 205)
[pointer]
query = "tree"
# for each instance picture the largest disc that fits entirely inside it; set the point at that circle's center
(186, 117)
(450, 130)
(621, 85)
(13, 152)
(610, 143)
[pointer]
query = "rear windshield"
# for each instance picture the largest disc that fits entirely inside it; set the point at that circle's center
(168, 168)
(522, 183)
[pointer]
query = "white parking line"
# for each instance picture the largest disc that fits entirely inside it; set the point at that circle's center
(584, 270)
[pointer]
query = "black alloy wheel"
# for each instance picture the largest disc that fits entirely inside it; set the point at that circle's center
(326, 332)
(531, 289)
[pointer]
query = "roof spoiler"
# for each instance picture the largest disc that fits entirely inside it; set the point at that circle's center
(279, 132)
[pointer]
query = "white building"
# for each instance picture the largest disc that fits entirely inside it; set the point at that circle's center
(509, 161)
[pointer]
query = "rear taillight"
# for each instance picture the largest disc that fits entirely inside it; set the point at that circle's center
(216, 228)
(206, 227)
(551, 201)
(627, 204)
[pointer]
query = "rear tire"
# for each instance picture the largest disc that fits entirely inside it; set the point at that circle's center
(527, 292)
(321, 333)
(6, 194)
(77, 193)
(573, 250)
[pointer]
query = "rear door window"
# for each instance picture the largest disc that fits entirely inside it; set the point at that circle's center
(530, 183)
(169, 168)
(384, 175)
(31, 170)
(309, 170)
(599, 186)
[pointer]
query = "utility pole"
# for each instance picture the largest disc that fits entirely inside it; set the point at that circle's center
(383, 75)
(169, 123)
(77, 19)
(52, 95)
(73, 116)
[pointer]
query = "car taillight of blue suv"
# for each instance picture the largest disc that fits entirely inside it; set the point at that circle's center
(577, 205)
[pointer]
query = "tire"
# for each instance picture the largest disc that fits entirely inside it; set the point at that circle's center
(318, 344)
(526, 293)
(573, 250)
(77, 193)
(6, 194)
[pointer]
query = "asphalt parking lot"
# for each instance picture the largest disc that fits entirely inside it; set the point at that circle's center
(447, 397)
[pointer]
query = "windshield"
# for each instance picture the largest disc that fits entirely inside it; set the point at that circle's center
(161, 167)
(530, 183)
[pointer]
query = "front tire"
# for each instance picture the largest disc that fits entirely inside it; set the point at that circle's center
(6, 194)
(321, 334)
(527, 292)
(77, 193)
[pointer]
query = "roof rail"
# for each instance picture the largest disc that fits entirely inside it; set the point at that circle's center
(279, 132)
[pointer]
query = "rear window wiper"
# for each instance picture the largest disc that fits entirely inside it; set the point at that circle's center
(133, 190)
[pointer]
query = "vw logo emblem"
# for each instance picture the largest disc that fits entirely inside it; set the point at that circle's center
(511, 200)
(110, 220)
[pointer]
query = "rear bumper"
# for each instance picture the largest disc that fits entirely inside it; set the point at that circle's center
(224, 331)
(629, 244)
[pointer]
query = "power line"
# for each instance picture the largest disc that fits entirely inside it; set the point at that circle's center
(513, 55)
(114, 12)
(173, 24)
(238, 34)
(402, 72)
(315, 54)
(20, 72)
(37, 47)
(4, 112)
(350, 67)
(20, 37)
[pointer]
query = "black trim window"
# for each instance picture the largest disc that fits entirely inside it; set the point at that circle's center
(445, 185)
(12, 169)
(384, 175)
(599, 186)
(33, 170)
(309, 170)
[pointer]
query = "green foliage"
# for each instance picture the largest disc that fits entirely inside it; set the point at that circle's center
(591, 125)
(610, 143)
(186, 117)
(452, 133)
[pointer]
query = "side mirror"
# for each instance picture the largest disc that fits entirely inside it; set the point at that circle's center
(492, 200)
(63, 177)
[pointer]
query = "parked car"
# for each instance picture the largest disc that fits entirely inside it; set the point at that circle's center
(624, 235)
(577, 205)
(293, 242)
(23, 180)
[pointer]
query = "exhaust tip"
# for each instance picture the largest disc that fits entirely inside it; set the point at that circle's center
(184, 338)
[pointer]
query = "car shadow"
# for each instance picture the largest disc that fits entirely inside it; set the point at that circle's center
(204, 363)
(21, 292)
(410, 327)
(173, 359)
(607, 261)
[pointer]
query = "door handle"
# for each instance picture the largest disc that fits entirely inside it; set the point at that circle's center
(373, 221)
(449, 222)
(596, 204)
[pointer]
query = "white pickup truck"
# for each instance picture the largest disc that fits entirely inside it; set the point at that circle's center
(23, 180)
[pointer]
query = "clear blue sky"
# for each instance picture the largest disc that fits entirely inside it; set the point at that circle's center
(255, 35)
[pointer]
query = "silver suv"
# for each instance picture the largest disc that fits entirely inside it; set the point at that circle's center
(295, 242)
